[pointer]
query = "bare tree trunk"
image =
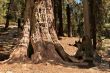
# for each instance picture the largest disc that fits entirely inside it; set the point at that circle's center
(19, 24)
(87, 32)
(86, 19)
(56, 15)
(7, 21)
(69, 21)
(86, 48)
(93, 22)
(60, 30)
(8, 14)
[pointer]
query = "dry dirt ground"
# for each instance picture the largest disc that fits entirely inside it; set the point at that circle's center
(43, 67)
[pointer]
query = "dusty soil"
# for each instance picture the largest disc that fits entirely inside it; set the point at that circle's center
(10, 38)
(45, 68)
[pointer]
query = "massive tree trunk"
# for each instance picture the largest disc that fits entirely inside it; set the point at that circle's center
(40, 36)
(39, 32)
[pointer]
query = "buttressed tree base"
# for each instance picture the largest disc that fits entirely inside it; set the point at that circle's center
(39, 32)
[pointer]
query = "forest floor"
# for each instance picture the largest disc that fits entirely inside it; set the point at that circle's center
(9, 39)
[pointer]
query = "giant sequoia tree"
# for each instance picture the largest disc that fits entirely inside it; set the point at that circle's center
(39, 32)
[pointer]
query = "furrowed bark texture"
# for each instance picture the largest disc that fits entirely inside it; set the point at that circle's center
(40, 33)
(47, 46)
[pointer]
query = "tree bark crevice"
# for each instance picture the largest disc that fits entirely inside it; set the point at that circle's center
(40, 34)
(45, 50)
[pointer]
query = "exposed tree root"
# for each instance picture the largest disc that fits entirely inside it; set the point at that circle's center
(62, 53)
(65, 56)
(18, 55)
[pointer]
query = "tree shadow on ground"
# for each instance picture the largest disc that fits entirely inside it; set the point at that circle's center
(8, 41)
(82, 66)
(8, 38)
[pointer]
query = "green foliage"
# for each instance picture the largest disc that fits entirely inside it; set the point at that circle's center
(76, 15)
(3, 9)
(106, 4)
(15, 11)
(20, 5)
